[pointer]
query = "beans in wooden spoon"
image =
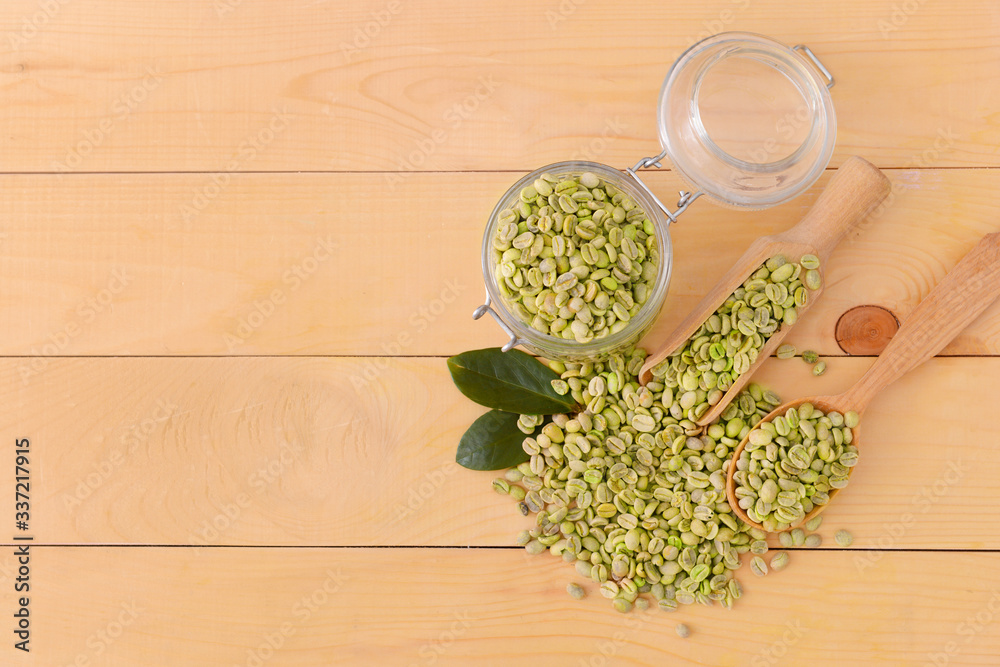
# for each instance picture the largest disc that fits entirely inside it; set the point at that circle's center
(951, 306)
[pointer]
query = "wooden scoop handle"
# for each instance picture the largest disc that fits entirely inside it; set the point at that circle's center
(856, 188)
(952, 305)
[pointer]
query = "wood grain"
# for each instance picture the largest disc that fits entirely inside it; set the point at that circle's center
(393, 86)
(233, 378)
(497, 607)
(961, 296)
(854, 191)
(866, 330)
(290, 264)
(345, 452)
(955, 302)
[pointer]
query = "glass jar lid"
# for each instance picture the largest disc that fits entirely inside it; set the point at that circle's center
(747, 120)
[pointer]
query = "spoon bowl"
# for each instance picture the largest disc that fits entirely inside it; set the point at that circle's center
(951, 306)
(826, 404)
(856, 188)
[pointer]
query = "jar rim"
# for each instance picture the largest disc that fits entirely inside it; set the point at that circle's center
(726, 178)
(550, 346)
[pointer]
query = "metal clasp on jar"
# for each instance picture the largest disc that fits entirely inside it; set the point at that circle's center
(685, 197)
(488, 308)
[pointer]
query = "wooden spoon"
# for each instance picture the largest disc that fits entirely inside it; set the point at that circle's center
(951, 306)
(856, 188)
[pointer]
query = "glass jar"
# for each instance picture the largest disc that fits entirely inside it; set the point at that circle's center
(746, 120)
(552, 347)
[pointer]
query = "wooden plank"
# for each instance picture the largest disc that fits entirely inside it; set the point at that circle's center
(386, 85)
(282, 264)
(498, 607)
(279, 451)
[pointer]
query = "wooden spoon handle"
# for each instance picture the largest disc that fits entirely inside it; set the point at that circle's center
(856, 188)
(951, 306)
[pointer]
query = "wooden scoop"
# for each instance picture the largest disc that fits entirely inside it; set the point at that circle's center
(951, 306)
(856, 188)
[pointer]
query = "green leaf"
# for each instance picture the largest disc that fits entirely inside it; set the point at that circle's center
(509, 381)
(493, 442)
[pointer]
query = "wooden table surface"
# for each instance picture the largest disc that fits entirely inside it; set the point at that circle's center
(238, 239)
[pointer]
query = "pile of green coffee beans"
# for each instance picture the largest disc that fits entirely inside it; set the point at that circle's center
(792, 463)
(632, 493)
(728, 343)
(575, 258)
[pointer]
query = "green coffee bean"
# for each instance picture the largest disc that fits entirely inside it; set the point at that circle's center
(636, 510)
(809, 262)
(813, 524)
(501, 486)
(779, 561)
(810, 356)
(610, 590)
(819, 368)
(684, 597)
(577, 263)
(623, 605)
(813, 280)
(728, 343)
(513, 475)
(683, 631)
(843, 538)
(534, 547)
(807, 454)
(758, 566)
(785, 539)
(576, 591)
(813, 541)
(785, 351)
(667, 604)
(798, 537)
